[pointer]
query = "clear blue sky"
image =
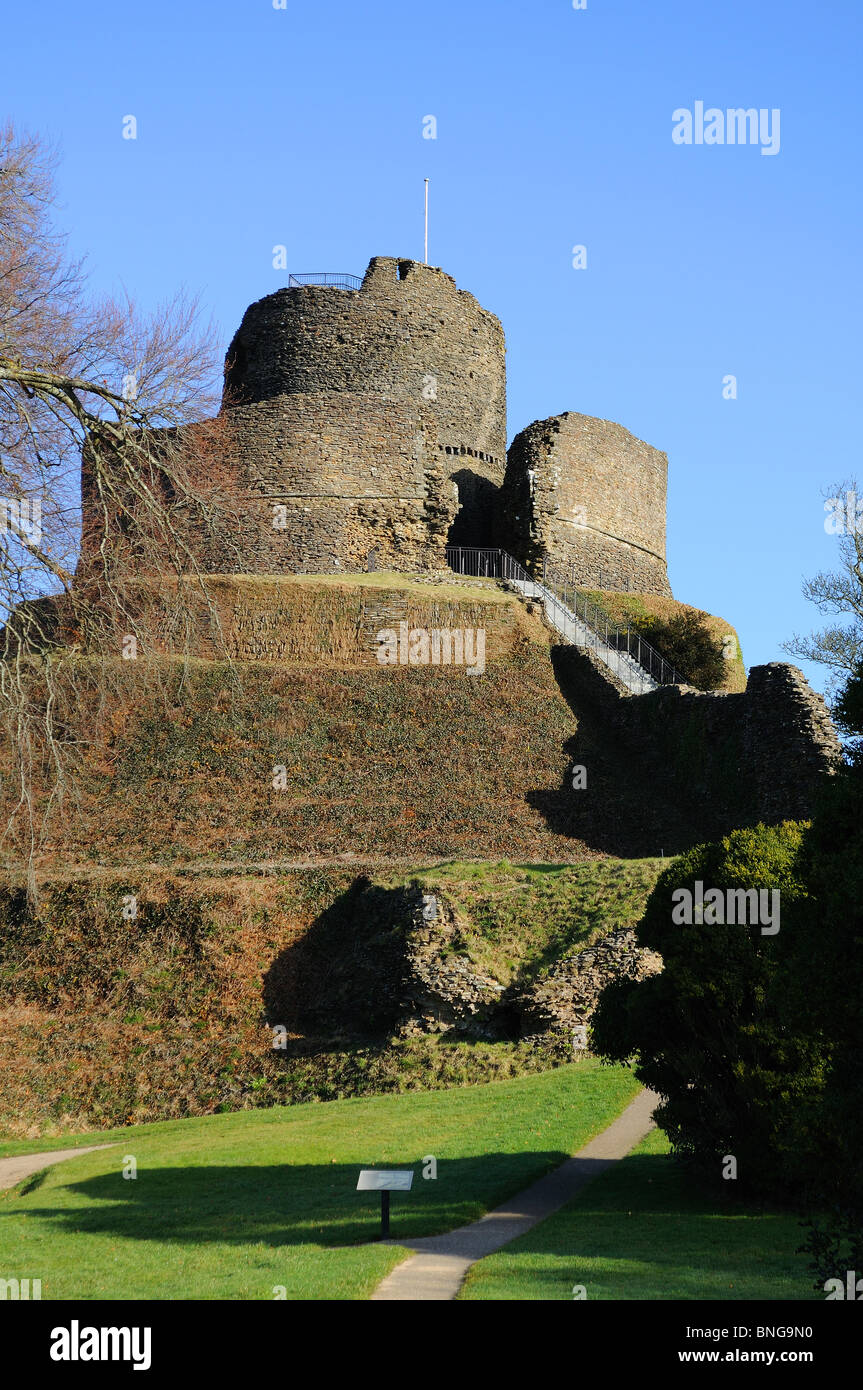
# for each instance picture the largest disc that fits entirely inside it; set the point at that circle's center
(303, 126)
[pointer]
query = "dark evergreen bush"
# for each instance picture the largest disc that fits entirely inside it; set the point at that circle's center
(687, 644)
(706, 1033)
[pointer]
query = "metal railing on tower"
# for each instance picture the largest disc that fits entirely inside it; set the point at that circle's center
(334, 280)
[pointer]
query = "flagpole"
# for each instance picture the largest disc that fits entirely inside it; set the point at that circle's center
(427, 223)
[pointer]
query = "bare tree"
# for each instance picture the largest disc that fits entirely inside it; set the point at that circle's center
(838, 592)
(84, 573)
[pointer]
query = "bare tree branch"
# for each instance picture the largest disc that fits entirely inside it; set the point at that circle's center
(82, 571)
(838, 592)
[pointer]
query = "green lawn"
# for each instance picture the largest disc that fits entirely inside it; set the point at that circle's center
(643, 1231)
(233, 1206)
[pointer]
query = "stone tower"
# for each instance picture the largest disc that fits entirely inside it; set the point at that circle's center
(363, 425)
(588, 498)
(356, 415)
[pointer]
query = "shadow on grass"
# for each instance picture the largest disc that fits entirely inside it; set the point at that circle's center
(347, 967)
(283, 1204)
(646, 1230)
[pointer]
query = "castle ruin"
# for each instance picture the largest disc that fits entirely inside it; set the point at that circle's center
(370, 424)
(367, 429)
(588, 497)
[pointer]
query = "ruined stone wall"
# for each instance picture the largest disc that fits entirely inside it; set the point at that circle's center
(317, 376)
(755, 756)
(589, 498)
(737, 759)
(565, 999)
(288, 620)
(789, 740)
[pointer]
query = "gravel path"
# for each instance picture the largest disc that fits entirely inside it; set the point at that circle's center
(15, 1170)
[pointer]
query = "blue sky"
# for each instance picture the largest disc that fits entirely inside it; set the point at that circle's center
(303, 127)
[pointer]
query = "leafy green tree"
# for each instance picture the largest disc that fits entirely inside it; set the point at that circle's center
(847, 711)
(706, 1033)
(821, 996)
(755, 1043)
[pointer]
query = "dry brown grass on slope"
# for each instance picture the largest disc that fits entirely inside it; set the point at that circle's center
(428, 762)
(107, 1020)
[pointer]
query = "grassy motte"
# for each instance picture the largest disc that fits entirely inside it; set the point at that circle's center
(107, 1021)
(304, 747)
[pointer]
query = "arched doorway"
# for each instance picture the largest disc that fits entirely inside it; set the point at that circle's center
(474, 522)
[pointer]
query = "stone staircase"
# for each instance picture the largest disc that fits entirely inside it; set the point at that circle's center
(573, 629)
(639, 677)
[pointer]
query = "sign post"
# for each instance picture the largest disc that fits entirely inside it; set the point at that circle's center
(385, 1181)
(385, 1213)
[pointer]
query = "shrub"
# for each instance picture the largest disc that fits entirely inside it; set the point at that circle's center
(686, 642)
(822, 998)
(705, 1033)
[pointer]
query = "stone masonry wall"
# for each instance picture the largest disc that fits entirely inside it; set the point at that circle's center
(333, 482)
(308, 365)
(357, 426)
(589, 498)
(789, 740)
(376, 497)
(736, 759)
(566, 997)
(443, 991)
(282, 619)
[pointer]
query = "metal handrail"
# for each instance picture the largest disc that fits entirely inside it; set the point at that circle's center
(333, 279)
(562, 594)
(622, 639)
